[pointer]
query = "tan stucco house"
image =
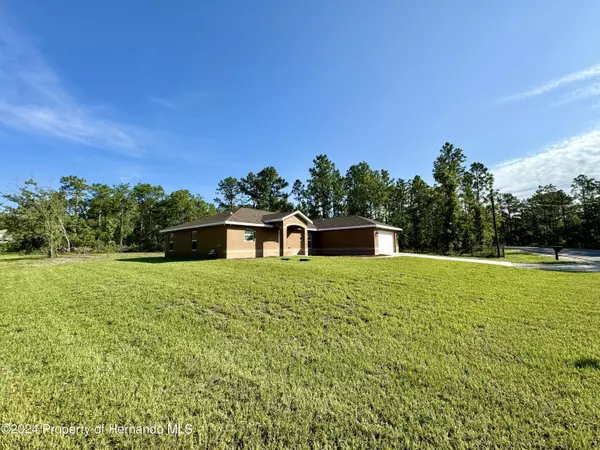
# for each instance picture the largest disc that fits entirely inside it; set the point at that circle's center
(252, 233)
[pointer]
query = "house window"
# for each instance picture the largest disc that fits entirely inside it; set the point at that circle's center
(194, 241)
(248, 235)
(171, 239)
(309, 240)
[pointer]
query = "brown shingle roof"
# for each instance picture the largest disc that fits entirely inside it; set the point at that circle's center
(249, 215)
(258, 217)
(277, 215)
(237, 215)
(218, 218)
(348, 222)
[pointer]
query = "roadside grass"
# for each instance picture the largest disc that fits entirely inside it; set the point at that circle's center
(329, 353)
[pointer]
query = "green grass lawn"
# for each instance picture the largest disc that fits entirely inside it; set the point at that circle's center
(330, 353)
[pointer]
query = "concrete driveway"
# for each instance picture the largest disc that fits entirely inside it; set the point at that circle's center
(592, 256)
(452, 258)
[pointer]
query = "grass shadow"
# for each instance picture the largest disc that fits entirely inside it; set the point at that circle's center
(583, 363)
(161, 259)
(25, 258)
(559, 262)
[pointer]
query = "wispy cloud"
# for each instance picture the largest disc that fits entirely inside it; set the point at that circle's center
(592, 90)
(182, 102)
(35, 100)
(591, 73)
(164, 102)
(557, 164)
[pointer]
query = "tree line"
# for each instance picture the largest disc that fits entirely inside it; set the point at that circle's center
(452, 215)
(81, 216)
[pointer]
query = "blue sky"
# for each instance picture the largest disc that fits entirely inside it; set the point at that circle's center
(185, 93)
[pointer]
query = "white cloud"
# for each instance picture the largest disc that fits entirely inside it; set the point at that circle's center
(592, 90)
(557, 164)
(591, 73)
(74, 126)
(34, 99)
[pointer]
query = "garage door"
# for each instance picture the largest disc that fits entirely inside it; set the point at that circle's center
(386, 242)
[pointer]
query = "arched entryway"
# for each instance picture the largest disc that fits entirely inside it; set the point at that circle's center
(293, 240)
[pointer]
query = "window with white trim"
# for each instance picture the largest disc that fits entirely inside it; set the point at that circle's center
(171, 240)
(194, 241)
(249, 235)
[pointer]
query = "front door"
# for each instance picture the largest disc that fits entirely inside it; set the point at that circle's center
(294, 241)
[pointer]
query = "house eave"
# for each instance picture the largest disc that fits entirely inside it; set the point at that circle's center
(213, 224)
(388, 227)
(247, 224)
(354, 227)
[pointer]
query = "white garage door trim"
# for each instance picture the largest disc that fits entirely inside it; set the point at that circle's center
(385, 242)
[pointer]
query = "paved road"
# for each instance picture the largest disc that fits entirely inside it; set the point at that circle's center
(578, 265)
(575, 253)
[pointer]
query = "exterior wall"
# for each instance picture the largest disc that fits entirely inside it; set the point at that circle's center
(294, 220)
(357, 241)
(209, 238)
(266, 242)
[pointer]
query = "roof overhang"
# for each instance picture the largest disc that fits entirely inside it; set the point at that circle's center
(379, 227)
(213, 224)
(295, 213)
(388, 227)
